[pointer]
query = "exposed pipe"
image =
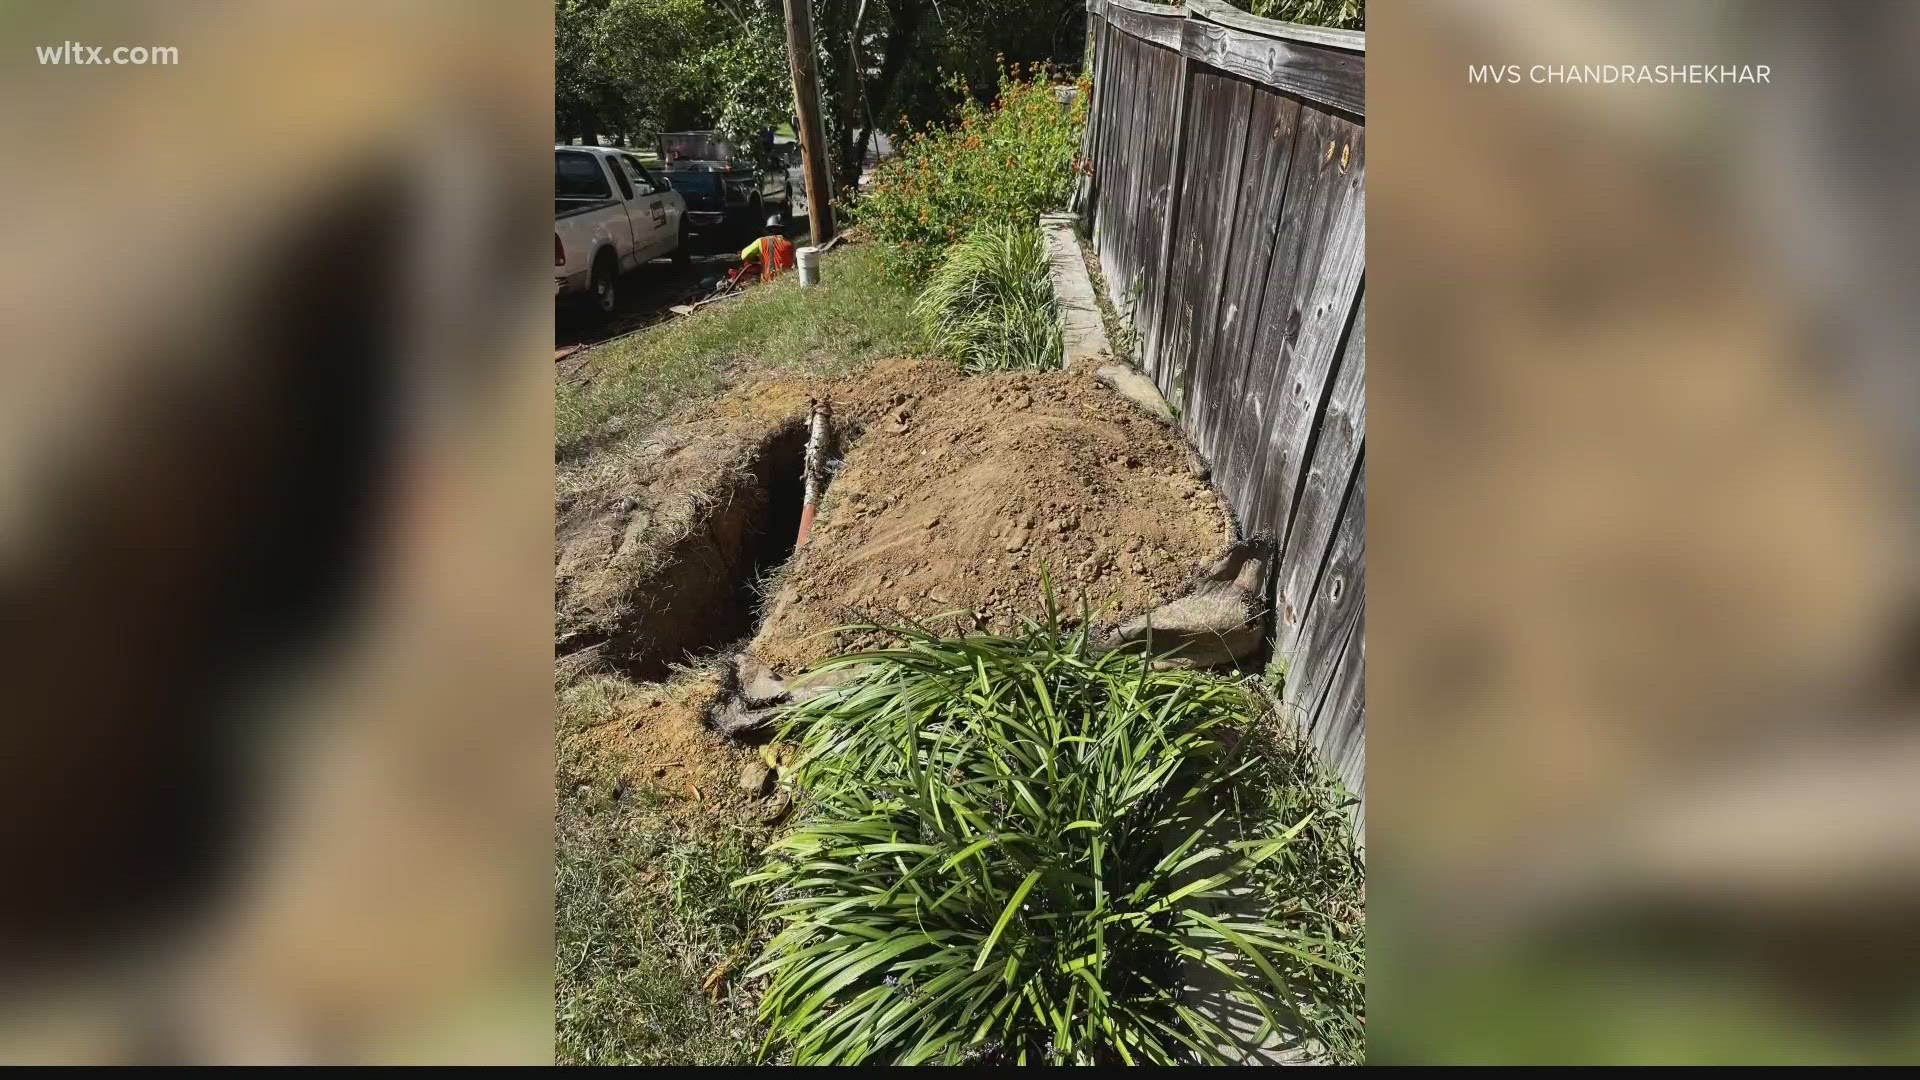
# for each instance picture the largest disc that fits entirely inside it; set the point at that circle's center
(815, 477)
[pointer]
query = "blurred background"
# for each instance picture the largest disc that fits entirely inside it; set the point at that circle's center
(275, 535)
(1645, 759)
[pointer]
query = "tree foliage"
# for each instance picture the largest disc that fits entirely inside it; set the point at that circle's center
(1339, 14)
(633, 67)
(629, 68)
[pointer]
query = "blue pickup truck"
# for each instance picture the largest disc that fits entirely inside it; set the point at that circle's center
(726, 189)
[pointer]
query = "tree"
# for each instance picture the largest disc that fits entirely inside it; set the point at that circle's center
(889, 64)
(1340, 14)
(582, 93)
(741, 77)
(633, 67)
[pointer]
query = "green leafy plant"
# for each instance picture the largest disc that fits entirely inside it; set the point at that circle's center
(1339, 14)
(989, 304)
(1018, 851)
(1008, 161)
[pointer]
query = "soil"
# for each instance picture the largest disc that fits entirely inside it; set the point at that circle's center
(660, 541)
(950, 508)
(657, 735)
(955, 493)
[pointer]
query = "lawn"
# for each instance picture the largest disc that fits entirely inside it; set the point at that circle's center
(642, 915)
(856, 315)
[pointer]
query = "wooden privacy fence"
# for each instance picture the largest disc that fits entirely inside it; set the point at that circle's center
(1227, 200)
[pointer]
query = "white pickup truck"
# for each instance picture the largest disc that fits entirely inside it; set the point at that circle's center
(609, 215)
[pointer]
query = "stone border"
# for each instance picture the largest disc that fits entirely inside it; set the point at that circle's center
(1081, 332)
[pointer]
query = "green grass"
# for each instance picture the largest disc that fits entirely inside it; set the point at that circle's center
(1021, 852)
(989, 303)
(642, 914)
(857, 314)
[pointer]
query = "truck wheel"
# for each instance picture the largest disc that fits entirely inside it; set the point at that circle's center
(786, 207)
(756, 222)
(602, 286)
(683, 254)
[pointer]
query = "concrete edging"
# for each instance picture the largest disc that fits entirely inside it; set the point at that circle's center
(1082, 334)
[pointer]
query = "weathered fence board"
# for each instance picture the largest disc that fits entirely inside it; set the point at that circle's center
(1263, 183)
(1144, 24)
(1164, 68)
(1147, 105)
(1227, 200)
(1332, 610)
(1209, 196)
(1335, 462)
(1339, 732)
(1322, 311)
(1329, 77)
(1241, 461)
(1301, 319)
(1216, 11)
(1115, 161)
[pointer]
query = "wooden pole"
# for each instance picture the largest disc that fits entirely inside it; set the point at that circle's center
(802, 58)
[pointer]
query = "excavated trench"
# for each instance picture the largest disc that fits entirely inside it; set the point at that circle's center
(953, 500)
(703, 582)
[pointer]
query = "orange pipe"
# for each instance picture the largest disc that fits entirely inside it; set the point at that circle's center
(815, 465)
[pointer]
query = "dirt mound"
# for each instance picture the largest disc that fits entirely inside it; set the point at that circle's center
(951, 504)
(661, 540)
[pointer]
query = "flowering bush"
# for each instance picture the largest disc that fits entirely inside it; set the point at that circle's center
(1004, 162)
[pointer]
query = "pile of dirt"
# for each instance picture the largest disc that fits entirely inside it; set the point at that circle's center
(660, 541)
(954, 494)
(952, 504)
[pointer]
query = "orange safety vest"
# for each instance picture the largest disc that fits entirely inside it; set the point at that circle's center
(782, 254)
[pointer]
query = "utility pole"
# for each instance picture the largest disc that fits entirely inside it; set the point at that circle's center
(802, 58)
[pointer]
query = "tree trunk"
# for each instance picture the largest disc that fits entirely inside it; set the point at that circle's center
(902, 32)
(849, 115)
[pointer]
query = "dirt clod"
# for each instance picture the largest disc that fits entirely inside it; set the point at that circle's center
(755, 779)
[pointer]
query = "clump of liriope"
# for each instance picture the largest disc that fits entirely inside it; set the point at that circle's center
(1019, 851)
(989, 304)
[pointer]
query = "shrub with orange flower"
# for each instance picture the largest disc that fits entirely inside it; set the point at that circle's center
(1010, 160)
